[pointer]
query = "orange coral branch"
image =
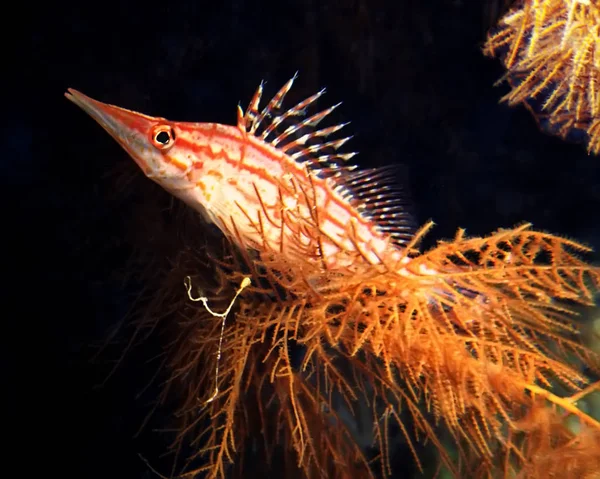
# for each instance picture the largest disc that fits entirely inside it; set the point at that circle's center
(551, 48)
(568, 404)
(459, 335)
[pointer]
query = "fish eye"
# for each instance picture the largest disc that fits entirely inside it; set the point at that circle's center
(163, 137)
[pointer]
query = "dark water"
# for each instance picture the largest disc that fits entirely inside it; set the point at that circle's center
(414, 84)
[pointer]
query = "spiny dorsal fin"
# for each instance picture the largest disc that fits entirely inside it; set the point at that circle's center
(374, 191)
(377, 194)
(292, 131)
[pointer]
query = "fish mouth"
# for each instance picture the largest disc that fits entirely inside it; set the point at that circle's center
(97, 110)
(125, 126)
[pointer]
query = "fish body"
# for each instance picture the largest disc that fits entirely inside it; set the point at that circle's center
(267, 190)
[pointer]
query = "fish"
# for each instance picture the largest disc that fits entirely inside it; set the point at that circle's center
(274, 182)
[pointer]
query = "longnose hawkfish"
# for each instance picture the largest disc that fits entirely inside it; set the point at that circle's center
(467, 328)
(268, 186)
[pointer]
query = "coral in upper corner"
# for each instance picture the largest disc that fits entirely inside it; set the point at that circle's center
(551, 50)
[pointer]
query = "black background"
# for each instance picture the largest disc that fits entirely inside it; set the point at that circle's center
(415, 86)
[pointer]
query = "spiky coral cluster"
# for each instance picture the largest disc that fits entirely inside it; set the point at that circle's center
(470, 336)
(551, 50)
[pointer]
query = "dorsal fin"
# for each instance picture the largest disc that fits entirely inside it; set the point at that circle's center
(377, 194)
(292, 132)
(374, 191)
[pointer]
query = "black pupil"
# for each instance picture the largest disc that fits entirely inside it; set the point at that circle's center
(163, 137)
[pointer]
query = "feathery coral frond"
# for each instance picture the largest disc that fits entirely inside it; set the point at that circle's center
(551, 50)
(472, 335)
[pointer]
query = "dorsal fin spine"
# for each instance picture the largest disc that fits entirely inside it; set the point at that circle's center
(297, 110)
(252, 114)
(310, 121)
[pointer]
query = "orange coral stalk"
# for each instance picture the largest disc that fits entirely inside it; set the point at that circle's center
(551, 50)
